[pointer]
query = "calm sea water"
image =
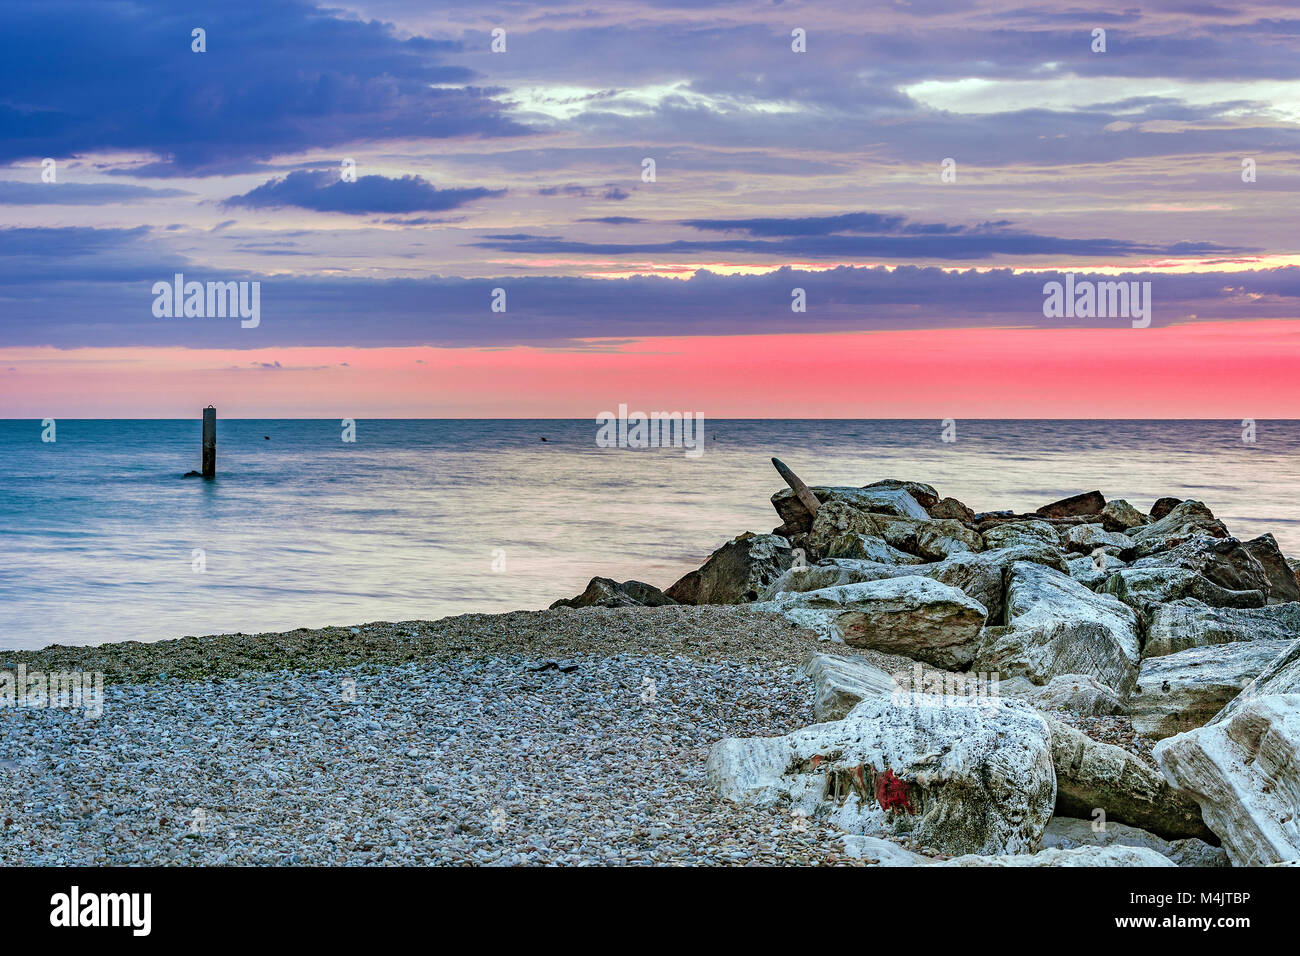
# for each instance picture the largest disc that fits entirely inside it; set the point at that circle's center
(98, 530)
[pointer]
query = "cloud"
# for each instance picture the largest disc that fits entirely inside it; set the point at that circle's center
(78, 194)
(324, 191)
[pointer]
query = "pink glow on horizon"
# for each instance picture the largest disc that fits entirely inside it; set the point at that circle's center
(1219, 370)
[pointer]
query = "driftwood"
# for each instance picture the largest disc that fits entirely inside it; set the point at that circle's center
(801, 491)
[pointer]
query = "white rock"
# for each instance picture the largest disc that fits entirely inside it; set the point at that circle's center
(1057, 626)
(1245, 775)
(841, 683)
(959, 777)
(1079, 856)
(884, 852)
(1066, 833)
(1183, 691)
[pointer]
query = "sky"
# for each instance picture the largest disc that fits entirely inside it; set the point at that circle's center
(821, 209)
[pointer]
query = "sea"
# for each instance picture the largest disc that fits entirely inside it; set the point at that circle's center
(101, 539)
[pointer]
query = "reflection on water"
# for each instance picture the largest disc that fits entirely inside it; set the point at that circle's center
(98, 531)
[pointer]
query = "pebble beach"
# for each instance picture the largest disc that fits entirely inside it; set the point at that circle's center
(566, 737)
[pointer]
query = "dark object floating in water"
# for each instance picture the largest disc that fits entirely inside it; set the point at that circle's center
(267, 437)
(192, 474)
(543, 438)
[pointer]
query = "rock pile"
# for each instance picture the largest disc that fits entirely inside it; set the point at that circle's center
(1023, 627)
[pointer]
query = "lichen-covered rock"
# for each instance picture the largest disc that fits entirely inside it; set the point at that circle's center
(1143, 588)
(1066, 833)
(606, 592)
(1119, 515)
(1185, 521)
(960, 778)
(738, 572)
(1188, 623)
(1091, 776)
(1225, 561)
(840, 683)
(1057, 626)
(924, 494)
(1086, 538)
(1117, 855)
(1245, 775)
(912, 615)
(1282, 585)
(1088, 503)
(1281, 676)
(1182, 691)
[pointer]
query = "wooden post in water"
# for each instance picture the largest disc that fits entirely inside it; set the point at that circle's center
(209, 442)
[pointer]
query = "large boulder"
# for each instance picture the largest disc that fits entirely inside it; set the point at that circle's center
(960, 778)
(914, 616)
(1091, 775)
(1088, 503)
(1282, 585)
(1281, 676)
(1092, 571)
(933, 539)
(1143, 588)
(1117, 855)
(924, 494)
(1245, 775)
(1188, 623)
(1163, 506)
(738, 572)
(878, 500)
(1182, 691)
(1066, 833)
(1119, 515)
(1057, 626)
(1225, 561)
(1185, 521)
(606, 592)
(864, 547)
(841, 683)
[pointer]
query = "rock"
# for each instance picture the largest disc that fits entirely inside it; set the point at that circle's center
(924, 494)
(883, 852)
(978, 574)
(1182, 691)
(1282, 586)
(962, 779)
(1079, 856)
(192, 474)
(737, 572)
(841, 683)
(1089, 503)
(1091, 775)
(1281, 676)
(1087, 538)
(1188, 623)
(1119, 515)
(1066, 833)
(911, 615)
(892, 501)
(606, 592)
(1093, 571)
(1143, 588)
(1010, 533)
(1163, 506)
(865, 547)
(1225, 561)
(933, 539)
(954, 509)
(1057, 626)
(1075, 693)
(1184, 522)
(1245, 775)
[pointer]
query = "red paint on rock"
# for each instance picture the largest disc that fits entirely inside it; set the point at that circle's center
(893, 792)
